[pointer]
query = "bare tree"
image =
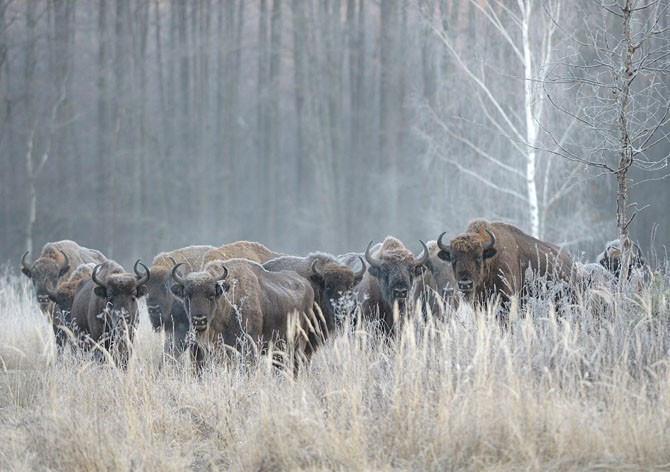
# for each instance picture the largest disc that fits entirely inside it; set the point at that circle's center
(616, 85)
(501, 102)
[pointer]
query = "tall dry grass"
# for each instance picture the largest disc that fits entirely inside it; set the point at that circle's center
(456, 393)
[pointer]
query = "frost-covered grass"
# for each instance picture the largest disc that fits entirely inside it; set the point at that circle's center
(576, 393)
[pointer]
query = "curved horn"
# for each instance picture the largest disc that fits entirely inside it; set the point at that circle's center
(423, 257)
(174, 262)
(441, 245)
(376, 263)
(66, 262)
(25, 265)
(315, 268)
(224, 275)
(361, 272)
(493, 239)
(175, 275)
(95, 278)
(141, 278)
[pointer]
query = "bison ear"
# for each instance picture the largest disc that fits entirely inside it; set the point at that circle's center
(317, 279)
(420, 269)
(100, 291)
(444, 255)
(374, 271)
(222, 286)
(64, 270)
(141, 291)
(177, 290)
(26, 272)
(489, 253)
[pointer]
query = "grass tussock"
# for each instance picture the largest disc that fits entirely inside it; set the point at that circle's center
(588, 389)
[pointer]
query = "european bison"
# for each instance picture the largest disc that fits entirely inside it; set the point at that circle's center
(332, 282)
(63, 297)
(232, 302)
(492, 258)
(105, 308)
(165, 311)
(610, 259)
(436, 286)
(388, 281)
(241, 250)
(57, 259)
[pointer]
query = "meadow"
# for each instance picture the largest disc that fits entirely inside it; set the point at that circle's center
(589, 390)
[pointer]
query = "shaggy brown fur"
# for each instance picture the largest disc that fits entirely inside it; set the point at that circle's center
(246, 304)
(389, 283)
(501, 270)
(250, 250)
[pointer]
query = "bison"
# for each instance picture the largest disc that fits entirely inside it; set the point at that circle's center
(436, 286)
(241, 250)
(166, 312)
(332, 282)
(63, 297)
(56, 261)
(389, 280)
(610, 259)
(493, 258)
(231, 302)
(105, 310)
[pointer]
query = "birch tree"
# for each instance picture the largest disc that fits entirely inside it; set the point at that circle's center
(507, 96)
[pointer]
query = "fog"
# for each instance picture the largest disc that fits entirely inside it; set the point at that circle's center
(141, 126)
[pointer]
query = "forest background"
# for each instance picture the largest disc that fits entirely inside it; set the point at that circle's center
(140, 126)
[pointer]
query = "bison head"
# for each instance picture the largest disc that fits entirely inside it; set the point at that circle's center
(159, 298)
(610, 258)
(335, 279)
(200, 292)
(44, 270)
(121, 291)
(395, 268)
(467, 254)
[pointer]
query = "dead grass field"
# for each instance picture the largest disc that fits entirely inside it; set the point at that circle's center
(449, 394)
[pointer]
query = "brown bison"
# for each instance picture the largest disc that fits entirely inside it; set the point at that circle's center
(610, 259)
(63, 297)
(332, 282)
(389, 280)
(494, 258)
(241, 250)
(232, 302)
(56, 260)
(437, 285)
(165, 311)
(105, 310)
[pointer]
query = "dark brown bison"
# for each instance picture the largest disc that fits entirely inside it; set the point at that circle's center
(63, 297)
(230, 303)
(105, 310)
(388, 281)
(494, 258)
(610, 259)
(241, 250)
(436, 286)
(331, 281)
(165, 311)
(57, 259)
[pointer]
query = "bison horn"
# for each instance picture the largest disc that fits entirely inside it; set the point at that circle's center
(361, 272)
(376, 263)
(141, 278)
(423, 257)
(174, 262)
(315, 268)
(94, 276)
(66, 262)
(493, 239)
(175, 275)
(25, 265)
(224, 275)
(441, 245)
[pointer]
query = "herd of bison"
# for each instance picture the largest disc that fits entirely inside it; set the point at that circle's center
(243, 296)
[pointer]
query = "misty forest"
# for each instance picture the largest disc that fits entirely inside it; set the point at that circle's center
(142, 126)
(334, 235)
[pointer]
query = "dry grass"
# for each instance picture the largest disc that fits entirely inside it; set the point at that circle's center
(547, 394)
